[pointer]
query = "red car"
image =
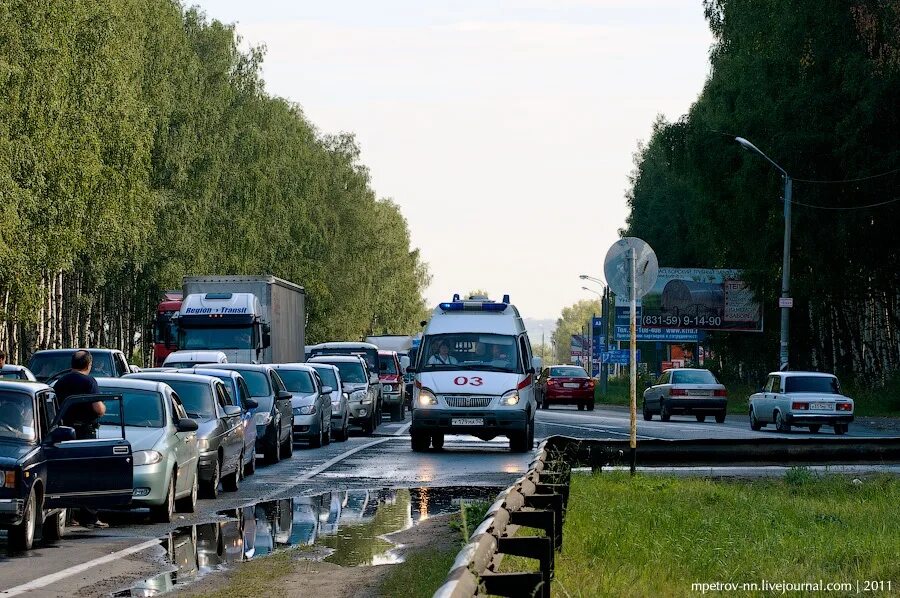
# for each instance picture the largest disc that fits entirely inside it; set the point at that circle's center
(393, 388)
(566, 385)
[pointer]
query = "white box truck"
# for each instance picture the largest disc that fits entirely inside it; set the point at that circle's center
(252, 319)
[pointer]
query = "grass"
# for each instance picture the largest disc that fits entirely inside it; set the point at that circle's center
(652, 536)
(258, 577)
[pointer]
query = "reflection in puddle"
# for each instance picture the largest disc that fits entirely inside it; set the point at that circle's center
(347, 526)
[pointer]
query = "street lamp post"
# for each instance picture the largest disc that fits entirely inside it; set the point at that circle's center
(786, 263)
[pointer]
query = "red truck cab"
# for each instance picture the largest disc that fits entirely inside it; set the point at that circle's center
(165, 333)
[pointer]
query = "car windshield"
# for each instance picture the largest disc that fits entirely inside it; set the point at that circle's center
(471, 351)
(17, 416)
(822, 384)
(240, 337)
(387, 365)
(143, 408)
(257, 383)
(693, 377)
(299, 381)
(568, 372)
(45, 365)
(195, 396)
(12, 375)
(328, 377)
(351, 372)
(370, 355)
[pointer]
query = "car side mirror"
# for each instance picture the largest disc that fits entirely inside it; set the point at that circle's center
(62, 434)
(404, 363)
(232, 410)
(251, 404)
(536, 364)
(284, 395)
(327, 390)
(186, 424)
(411, 370)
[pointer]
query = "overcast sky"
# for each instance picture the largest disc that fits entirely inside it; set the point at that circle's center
(504, 129)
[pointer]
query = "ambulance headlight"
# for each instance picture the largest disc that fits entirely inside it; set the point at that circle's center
(426, 397)
(510, 398)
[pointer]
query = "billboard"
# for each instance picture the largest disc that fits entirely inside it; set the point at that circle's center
(696, 299)
(578, 348)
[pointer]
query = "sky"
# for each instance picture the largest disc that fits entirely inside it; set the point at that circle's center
(504, 129)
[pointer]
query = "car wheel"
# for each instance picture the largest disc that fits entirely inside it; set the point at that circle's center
(317, 441)
(188, 504)
(327, 439)
(814, 429)
(21, 537)
(232, 482)
(664, 413)
(437, 441)
(397, 413)
(210, 488)
(531, 435)
(287, 448)
(250, 467)
(419, 441)
(720, 418)
(700, 418)
(273, 453)
(590, 405)
(755, 424)
(518, 442)
(342, 434)
(54, 527)
(841, 429)
(581, 406)
(781, 423)
(164, 513)
(648, 415)
(545, 404)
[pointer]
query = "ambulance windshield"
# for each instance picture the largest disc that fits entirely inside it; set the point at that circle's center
(471, 351)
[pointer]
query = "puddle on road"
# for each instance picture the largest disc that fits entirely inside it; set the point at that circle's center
(345, 528)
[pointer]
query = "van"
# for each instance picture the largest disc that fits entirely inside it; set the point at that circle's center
(474, 374)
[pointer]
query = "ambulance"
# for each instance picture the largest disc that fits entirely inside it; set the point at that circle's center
(474, 374)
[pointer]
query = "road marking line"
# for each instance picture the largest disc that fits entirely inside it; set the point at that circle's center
(597, 430)
(59, 575)
(403, 429)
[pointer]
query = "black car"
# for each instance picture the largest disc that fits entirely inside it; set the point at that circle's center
(43, 471)
(50, 364)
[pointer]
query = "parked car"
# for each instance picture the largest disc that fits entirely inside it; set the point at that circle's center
(368, 352)
(220, 436)
(50, 364)
(164, 442)
(565, 385)
(16, 372)
(393, 389)
(362, 395)
(36, 461)
(273, 414)
(238, 394)
(686, 391)
(340, 406)
(188, 359)
(311, 403)
(809, 399)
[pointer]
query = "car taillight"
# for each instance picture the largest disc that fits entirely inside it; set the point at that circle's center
(590, 384)
(550, 381)
(720, 392)
(677, 392)
(800, 406)
(844, 407)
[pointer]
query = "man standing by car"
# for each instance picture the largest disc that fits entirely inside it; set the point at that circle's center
(83, 418)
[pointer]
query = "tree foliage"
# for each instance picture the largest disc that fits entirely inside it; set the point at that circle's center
(137, 146)
(574, 319)
(816, 87)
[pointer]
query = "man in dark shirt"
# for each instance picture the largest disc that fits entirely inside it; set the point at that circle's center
(82, 417)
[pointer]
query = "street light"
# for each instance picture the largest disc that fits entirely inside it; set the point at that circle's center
(592, 279)
(786, 265)
(589, 290)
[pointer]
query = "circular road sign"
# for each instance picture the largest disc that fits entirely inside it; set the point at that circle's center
(617, 271)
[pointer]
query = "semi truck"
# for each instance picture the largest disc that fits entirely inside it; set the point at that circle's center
(252, 319)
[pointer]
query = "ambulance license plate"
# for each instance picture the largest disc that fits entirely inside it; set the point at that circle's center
(467, 421)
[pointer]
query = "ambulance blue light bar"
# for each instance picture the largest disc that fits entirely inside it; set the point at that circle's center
(473, 306)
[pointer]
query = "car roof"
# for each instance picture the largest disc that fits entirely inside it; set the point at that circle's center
(132, 383)
(686, 370)
(386, 352)
(319, 364)
(209, 371)
(337, 359)
(12, 367)
(292, 366)
(195, 353)
(66, 351)
(343, 345)
(23, 386)
(815, 374)
(175, 377)
(237, 367)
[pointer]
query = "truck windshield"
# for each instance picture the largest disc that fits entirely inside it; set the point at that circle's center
(822, 384)
(143, 408)
(471, 351)
(164, 325)
(240, 337)
(17, 416)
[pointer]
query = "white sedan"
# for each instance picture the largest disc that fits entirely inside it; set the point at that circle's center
(806, 399)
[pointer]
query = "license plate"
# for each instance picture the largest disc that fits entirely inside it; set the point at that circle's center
(571, 385)
(467, 421)
(828, 406)
(701, 393)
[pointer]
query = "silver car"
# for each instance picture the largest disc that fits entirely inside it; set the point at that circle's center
(686, 391)
(311, 403)
(809, 399)
(340, 400)
(164, 444)
(221, 433)
(357, 384)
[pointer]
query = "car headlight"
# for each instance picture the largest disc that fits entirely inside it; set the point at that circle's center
(9, 478)
(203, 444)
(388, 388)
(262, 419)
(305, 410)
(426, 397)
(510, 398)
(146, 457)
(358, 395)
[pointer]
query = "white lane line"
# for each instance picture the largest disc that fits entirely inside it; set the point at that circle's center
(45, 581)
(403, 429)
(596, 430)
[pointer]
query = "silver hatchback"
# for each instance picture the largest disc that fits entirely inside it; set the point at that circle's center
(686, 391)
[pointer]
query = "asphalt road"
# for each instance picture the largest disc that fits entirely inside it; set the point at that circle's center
(100, 563)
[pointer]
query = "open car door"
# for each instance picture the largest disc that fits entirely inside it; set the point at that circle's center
(95, 473)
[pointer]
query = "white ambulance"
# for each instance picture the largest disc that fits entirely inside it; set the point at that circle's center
(474, 374)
